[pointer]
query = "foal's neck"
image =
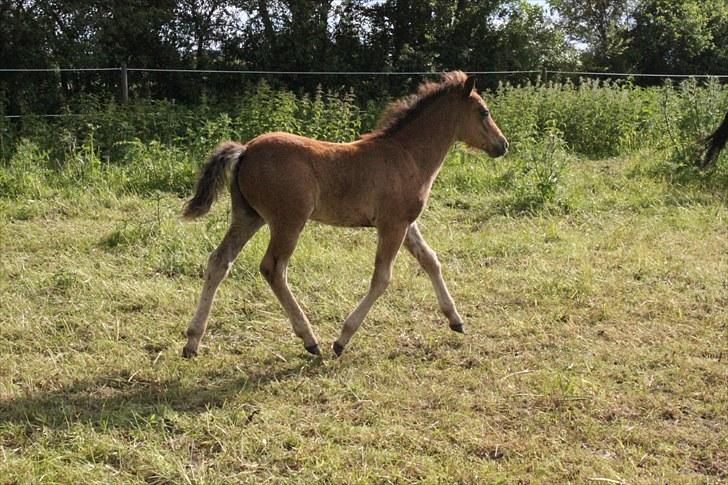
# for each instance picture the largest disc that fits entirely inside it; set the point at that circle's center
(429, 136)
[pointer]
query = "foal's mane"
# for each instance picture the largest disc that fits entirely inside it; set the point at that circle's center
(399, 113)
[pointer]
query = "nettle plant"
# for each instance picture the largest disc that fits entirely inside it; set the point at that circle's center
(155, 145)
(537, 170)
(691, 112)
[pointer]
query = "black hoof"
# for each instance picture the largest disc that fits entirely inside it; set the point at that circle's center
(338, 349)
(188, 353)
(314, 349)
(457, 327)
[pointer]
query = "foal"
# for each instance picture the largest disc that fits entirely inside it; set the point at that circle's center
(382, 180)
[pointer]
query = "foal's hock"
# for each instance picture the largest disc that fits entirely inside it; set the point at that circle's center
(382, 180)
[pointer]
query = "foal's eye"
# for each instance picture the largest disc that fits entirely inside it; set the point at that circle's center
(484, 112)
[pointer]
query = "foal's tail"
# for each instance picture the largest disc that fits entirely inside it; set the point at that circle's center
(213, 177)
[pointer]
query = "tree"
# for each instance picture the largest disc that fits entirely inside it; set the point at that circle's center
(682, 37)
(597, 24)
(22, 44)
(524, 38)
(360, 35)
(202, 23)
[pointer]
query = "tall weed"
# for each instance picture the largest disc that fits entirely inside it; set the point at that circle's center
(595, 118)
(25, 173)
(691, 112)
(535, 174)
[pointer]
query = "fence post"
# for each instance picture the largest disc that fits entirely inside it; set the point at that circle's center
(124, 84)
(544, 75)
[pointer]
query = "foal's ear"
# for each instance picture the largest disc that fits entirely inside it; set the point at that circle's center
(469, 86)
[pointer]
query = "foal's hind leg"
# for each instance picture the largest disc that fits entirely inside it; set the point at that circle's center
(274, 267)
(241, 230)
(390, 240)
(415, 244)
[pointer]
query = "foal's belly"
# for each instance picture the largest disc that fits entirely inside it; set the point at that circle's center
(342, 216)
(349, 211)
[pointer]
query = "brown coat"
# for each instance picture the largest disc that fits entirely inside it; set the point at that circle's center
(382, 180)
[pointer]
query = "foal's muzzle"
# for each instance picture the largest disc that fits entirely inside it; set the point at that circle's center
(498, 149)
(505, 145)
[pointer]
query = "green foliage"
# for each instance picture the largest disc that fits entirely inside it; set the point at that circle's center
(24, 174)
(535, 176)
(526, 181)
(646, 36)
(148, 147)
(608, 118)
(326, 116)
(691, 113)
(679, 36)
(352, 35)
(596, 118)
(150, 167)
(600, 25)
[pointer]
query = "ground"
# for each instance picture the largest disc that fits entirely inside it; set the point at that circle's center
(596, 346)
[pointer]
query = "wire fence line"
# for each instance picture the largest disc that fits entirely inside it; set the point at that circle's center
(123, 70)
(322, 73)
(57, 115)
(260, 72)
(635, 75)
(58, 69)
(361, 73)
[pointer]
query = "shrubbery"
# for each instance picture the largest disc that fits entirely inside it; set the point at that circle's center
(149, 146)
(610, 118)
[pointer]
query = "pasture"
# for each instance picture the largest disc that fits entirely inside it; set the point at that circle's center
(594, 291)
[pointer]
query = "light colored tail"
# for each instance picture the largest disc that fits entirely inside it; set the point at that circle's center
(213, 177)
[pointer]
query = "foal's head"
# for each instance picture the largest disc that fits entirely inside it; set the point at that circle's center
(457, 94)
(477, 127)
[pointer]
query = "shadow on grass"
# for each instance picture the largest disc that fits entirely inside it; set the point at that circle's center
(119, 400)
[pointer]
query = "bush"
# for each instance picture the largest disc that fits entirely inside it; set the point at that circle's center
(609, 118)
(147, 146)
(534, 177)
(596, 118)
(24, 175)
(692, 112)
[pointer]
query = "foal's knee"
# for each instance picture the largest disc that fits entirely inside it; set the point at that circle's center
(267, 269)
(271, 269)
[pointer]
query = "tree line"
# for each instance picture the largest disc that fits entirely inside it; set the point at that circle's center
(649, 36)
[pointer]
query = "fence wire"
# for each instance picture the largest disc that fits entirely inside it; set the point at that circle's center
(359, 73)
(544, 72)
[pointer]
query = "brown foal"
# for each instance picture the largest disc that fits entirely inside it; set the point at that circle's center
(382, 180)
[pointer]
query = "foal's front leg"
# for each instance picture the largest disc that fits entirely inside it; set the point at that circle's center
(416, 244)
(390, 240)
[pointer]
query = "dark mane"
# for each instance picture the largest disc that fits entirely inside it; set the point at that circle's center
(399, 113)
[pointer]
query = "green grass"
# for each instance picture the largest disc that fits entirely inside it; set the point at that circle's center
(596, 347)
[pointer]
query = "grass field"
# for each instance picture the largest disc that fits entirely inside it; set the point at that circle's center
(597, 344)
